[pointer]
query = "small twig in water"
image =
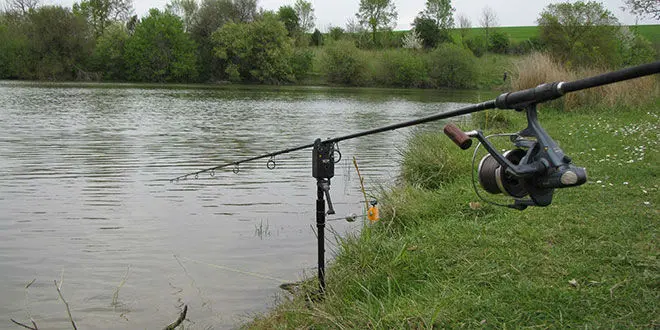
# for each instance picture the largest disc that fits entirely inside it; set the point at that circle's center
(205, 302)
(27, 303)
(179, 320)
(61, 280)
(115, 296)
(25, 326)
(66, 304)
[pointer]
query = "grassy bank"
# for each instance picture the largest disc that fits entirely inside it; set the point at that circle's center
(588, 260)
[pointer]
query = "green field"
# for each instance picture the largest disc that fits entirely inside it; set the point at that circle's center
(521, 33)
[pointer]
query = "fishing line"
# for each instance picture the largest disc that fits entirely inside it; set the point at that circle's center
(236, 270)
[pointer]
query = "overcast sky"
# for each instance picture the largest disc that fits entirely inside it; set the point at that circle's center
(337, 12)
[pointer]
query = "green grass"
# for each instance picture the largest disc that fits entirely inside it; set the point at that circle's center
(588, 260)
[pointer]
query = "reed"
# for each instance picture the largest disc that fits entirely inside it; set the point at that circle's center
(538, 68)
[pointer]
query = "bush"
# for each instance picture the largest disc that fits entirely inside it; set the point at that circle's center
(428, 31)
(259, 51)
(301, 62)
(160, 51)
(499, 42)
(336, 33)
(108, 56)
(453, 66)
(581, 34)
(404, 68)
(317, 38)
(635, 49)
(526, 46)
(477, 45)
(431, 160)
(343, 63)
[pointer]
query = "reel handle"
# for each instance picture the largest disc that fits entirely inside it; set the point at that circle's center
(459, 137)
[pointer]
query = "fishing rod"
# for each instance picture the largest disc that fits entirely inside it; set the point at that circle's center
(529, 173)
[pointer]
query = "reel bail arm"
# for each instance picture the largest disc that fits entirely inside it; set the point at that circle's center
(534, 168)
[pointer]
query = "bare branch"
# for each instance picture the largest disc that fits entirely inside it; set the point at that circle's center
(67, 305)
(115, 296)
(179, 320)
(25, 326)
(31, 282)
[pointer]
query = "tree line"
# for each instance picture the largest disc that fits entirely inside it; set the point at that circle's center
(235, 40)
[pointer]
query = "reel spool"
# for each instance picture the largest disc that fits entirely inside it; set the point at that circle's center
(495, 181)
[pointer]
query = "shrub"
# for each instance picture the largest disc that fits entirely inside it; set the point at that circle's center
(412, 40)
(317, 38)
(635, 49)
(404, 68)
(343, 63)
(336, 33)
(499, 42)
(453, 66)
(301, 62)
(526, 46)
(477, 45)
(428, 31)
(431, 160)
(581, 33)
(160, 51)
(260, 50)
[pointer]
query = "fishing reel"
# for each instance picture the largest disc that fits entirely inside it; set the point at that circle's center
(529, 172)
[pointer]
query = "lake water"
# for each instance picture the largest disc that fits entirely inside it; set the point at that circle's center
(85, 196)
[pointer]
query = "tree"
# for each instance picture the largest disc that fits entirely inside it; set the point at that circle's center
(109, 56)
(581, 33)
(499, 42)
(412, 40)
(433, 24)
(212, 15)
(649, 8)
(464, 26)
(305, 14)
(160, 51)
(245, 10)
(186, 9)
(377, 15)
(22, 6)
(288, 16)
(353, 27)
(100, 13)
(428, 31)
(441, 11)
(257, 51)
(14, 51)
(317, 38)
(488, 20)
(57, 43)
(336, 33)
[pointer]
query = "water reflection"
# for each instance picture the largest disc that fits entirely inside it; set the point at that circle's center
(85, 192)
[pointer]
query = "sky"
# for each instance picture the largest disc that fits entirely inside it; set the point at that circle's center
(338, 12)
